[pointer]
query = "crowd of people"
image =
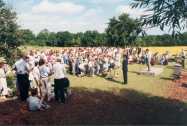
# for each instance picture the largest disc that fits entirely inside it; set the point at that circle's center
(43, 73)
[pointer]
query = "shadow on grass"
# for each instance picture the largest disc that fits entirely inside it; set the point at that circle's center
(135, 72)
(166, 78)
(170, 67)
(91, 106)
(113, 80)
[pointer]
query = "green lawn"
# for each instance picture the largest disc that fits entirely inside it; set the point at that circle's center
(146, 84)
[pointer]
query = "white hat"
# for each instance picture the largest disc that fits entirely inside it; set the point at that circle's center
(2, 60)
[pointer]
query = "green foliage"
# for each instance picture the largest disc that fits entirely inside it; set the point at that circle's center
(42, 37)
(26, 36)
(8, 32)
(92, 38)
(89, 38)
(162, 40)
(164, 13)
(123, 31)
(64, 38)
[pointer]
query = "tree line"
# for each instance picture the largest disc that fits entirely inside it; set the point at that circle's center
(94, 38)
(121, 31)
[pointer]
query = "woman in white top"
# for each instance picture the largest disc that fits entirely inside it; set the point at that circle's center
(44, 80)
(3, 81)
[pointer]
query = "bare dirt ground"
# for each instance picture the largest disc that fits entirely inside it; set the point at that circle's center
(178, 90)
(116, 106)
(99, 107)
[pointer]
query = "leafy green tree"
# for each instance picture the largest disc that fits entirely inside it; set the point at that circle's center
(77, 38)
(8, 31)
(123, 31)
(52, 39)
(26, 36)
(43, 37)
(164, 13)
(64, 38)
(92, 38)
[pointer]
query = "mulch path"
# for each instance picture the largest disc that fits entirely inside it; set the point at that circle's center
(178, 89)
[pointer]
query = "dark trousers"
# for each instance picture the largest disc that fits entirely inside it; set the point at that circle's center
(77, 70)
(183, 63)
(23, 85)
(125, 76)
(59, 90)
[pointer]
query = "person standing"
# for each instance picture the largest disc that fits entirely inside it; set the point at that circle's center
(125, 67)
(3, 81)
(44, 79)
(22, 73)
(148, 59)
(183, 56)
(59, 80)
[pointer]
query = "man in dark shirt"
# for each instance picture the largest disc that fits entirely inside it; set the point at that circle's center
(125, 67)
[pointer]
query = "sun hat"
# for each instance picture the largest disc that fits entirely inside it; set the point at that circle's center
(2, 60)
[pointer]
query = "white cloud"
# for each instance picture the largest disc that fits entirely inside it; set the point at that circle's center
(90, 19)
(137, 13)
(52, 8)
(106, 1)
(133, 12)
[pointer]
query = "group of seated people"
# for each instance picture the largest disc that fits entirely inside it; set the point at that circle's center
(138, 55)
(46, 70)
(82, 61)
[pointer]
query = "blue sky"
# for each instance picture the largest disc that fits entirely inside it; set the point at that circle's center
(72, 15)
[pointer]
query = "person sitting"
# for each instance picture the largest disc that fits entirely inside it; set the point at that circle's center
(91, 69)
(105, 68)
(130, 59)
(34, 103)
(164, 60)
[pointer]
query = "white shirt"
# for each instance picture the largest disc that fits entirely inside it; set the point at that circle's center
(36, 73)
(148, 56)
(59, 70)
(21, 67)
(31, 61)
(183, 53)
(44, 71)
(34, 103)
(2, 73)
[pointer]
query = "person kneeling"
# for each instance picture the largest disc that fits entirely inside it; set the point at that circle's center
(34, 103)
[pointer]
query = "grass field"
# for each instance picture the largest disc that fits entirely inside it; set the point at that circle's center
(146, 84)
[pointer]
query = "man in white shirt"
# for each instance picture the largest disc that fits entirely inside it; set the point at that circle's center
(59, 80)
(22, 72)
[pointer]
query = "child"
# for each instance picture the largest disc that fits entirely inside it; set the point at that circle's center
(34, 103)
